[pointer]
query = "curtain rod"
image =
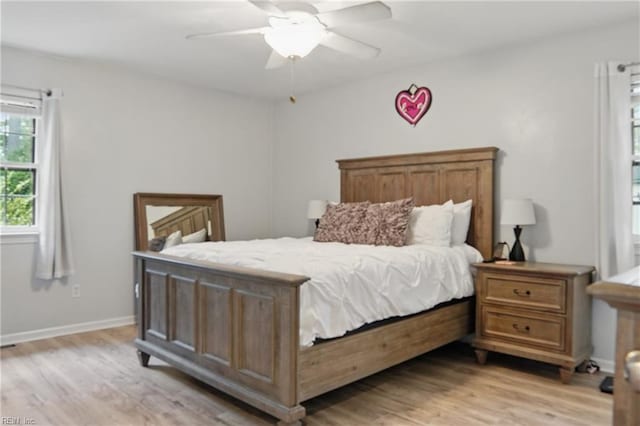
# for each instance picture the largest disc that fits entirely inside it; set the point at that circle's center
(623, 67)
(29, 89)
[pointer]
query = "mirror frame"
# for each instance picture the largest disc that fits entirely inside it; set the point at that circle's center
(143, 199)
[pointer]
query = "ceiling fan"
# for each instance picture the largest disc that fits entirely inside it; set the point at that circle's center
(296, 28)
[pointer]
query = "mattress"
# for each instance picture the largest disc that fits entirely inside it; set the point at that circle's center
(351, 284)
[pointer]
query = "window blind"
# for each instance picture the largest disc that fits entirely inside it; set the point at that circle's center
(21, 102)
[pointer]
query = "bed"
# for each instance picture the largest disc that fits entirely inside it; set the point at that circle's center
(237, 328)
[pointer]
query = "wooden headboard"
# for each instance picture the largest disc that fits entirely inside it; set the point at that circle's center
(430, 178)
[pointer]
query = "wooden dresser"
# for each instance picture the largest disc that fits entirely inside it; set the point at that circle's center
(622, 292)
(534, 310)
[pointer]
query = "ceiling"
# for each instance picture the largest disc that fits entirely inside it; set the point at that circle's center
(150, 36)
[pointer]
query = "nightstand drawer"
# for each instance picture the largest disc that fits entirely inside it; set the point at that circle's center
(524, 328)
(527, 292)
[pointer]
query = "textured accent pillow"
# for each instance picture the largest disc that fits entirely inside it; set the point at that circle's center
(173, 239)
(393, 222)
(431, 225)
(460, 224)
(343, 223)
(370, 225)
(196, 237)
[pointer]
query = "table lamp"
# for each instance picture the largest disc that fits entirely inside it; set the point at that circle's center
(517, 212)
(316, 209)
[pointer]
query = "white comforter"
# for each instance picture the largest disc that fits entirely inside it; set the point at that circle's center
(351, 285)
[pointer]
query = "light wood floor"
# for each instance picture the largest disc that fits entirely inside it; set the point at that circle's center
(95, 379)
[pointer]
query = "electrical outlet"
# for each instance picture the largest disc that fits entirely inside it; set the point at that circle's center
(75, 290)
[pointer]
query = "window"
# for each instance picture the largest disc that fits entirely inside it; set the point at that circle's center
(18, 162)
(635, 147)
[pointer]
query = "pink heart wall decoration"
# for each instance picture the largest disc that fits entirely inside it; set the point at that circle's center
(413, 104)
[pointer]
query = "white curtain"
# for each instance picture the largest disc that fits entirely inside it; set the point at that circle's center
(54, 256)
(614, 242)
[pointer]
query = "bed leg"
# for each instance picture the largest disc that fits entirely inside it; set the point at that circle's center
(481, 356)
(294, 423)
(143, 358)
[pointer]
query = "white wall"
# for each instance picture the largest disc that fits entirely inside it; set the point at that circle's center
(124, 133)
(534, 102)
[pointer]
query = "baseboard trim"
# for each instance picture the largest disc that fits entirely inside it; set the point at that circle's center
(606, 365)
(45, 333)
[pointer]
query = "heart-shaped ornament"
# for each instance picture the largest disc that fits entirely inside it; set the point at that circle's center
(413, 104)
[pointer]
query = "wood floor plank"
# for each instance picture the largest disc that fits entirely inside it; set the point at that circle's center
(95, 379)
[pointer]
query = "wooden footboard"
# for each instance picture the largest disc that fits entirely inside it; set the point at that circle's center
(234, 328)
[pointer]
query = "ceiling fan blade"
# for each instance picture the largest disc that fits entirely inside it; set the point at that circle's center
(373, 11)
(276, 60)
(269, 8)
(349, 46)
(228, 33)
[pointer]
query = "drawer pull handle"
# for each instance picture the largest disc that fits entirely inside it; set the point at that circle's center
(524, 329)
(517, 292)
(632, 369)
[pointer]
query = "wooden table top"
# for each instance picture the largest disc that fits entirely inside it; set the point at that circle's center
(541, 267)
(621, 289)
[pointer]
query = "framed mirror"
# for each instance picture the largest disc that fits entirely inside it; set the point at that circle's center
(156, 216)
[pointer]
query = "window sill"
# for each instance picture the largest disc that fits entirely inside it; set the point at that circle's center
(19, 237)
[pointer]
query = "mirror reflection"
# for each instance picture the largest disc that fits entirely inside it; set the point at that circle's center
(166, 220)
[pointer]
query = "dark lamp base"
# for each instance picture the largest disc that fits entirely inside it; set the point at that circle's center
(517, 253)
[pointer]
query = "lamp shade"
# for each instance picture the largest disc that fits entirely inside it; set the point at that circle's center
(316, 209)
(517, 212)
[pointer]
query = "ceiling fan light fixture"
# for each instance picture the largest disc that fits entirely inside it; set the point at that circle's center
(295, 40)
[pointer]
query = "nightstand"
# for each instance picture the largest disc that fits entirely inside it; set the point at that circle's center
(539, 311)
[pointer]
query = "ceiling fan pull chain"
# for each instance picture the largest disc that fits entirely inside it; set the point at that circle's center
(292, 97)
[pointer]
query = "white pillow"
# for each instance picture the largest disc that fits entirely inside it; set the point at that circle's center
(431, 225)
(173, 240)
(460, 224)
(197, 237)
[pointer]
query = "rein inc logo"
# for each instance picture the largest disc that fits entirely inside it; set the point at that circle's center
(11, 420)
